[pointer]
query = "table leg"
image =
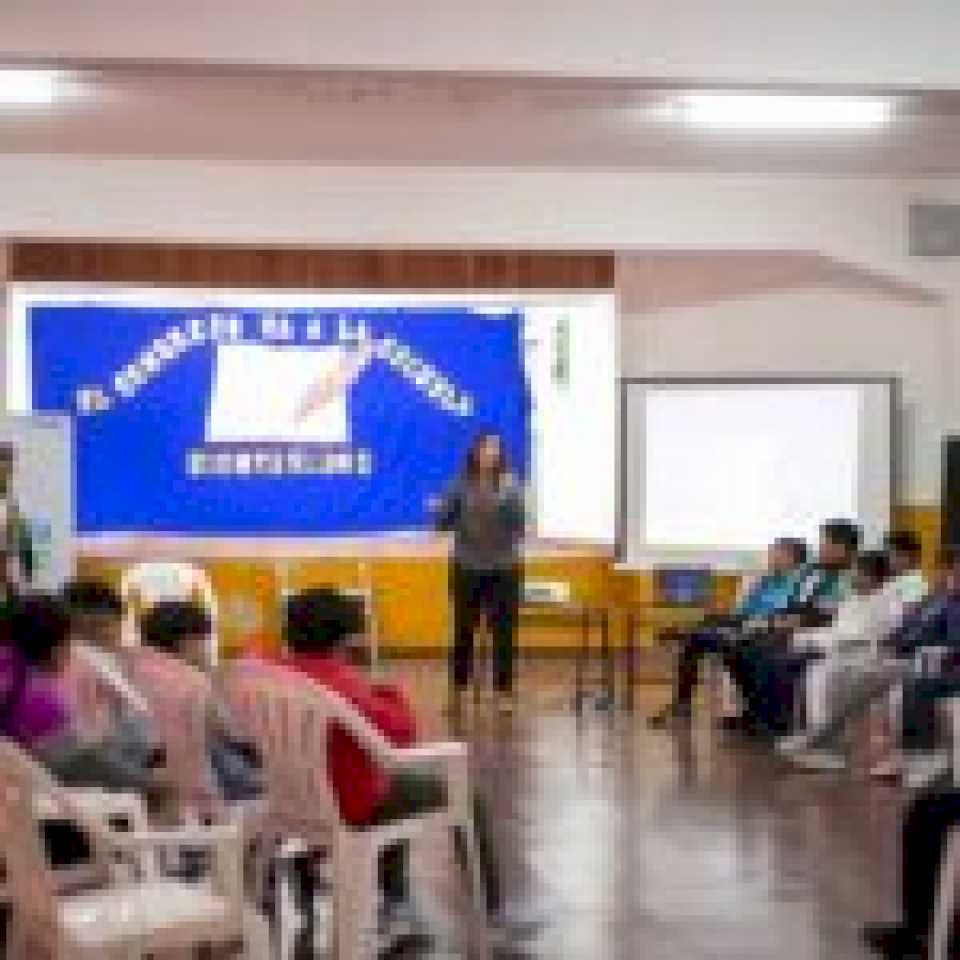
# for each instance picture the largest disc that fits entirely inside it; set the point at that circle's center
(606, 653)
(581, 657)
(630, 640)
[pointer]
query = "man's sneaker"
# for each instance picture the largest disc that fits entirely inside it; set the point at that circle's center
(819, 761)
(920, 771)
(795, 743)
(890, 768)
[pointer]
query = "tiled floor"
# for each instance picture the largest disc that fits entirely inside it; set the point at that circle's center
(658, 845)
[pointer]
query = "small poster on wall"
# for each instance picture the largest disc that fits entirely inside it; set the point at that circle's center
(36, 501)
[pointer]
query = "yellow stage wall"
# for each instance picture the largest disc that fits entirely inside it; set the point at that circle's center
(410, 585)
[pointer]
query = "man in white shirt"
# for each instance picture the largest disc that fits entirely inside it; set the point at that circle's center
(867, 674)
(838, 649)
(870, 613)
(904, 551)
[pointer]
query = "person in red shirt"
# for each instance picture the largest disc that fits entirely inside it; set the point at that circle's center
(320, 624)
(320, 628)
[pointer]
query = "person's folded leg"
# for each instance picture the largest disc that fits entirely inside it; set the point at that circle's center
(777, 677)
(750, 664)
(854, 700)
(694, 646)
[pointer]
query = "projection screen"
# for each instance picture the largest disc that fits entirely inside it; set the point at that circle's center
(712, 471)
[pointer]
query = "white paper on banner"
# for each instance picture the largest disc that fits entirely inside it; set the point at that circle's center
(268, 394)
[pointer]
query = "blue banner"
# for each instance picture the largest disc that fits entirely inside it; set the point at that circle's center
(284, 422)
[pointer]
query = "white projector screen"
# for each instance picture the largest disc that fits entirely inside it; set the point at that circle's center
(713, 471)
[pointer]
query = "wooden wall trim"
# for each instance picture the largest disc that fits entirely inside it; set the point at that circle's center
(228, 266)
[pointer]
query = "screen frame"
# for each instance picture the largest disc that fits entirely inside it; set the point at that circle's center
(893, 382)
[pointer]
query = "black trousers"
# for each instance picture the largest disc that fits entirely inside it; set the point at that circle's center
(769, 675)
(921, 702)
(492, 595)
(933, 814)
(715, 636)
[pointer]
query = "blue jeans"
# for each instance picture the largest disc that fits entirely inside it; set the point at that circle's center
(771, 680)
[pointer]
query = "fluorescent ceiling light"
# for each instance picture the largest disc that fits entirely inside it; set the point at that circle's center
(783, 112)
(31, 87)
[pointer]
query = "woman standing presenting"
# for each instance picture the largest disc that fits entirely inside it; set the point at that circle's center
(484, 510)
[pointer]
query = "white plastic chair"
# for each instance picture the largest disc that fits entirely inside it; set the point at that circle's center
(366, 596)
(357, 852)
(121, 918)
(99, 697)
(145, 584)
(294, 717)
(177, 696)
(945, 910)
(105, 808)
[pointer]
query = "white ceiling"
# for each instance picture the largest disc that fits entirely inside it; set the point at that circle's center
(902, 43)
(556, 84)
(395, 119)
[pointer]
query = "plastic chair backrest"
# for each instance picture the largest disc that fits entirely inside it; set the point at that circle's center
(178, 696)
(270, 704)
(30, 882)
(145, 584)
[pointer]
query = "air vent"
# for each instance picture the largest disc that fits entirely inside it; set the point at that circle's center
(935, 230)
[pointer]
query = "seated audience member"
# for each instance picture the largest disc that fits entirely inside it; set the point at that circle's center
(765, 596)
(844, 648)
(923, 657)
(908, 592)
(934, 677)
(96, 630)
(932, 816)
(821, 588)
(905, 552)
(828, 582)
(36, 714)
(320, 624)
(182, 629)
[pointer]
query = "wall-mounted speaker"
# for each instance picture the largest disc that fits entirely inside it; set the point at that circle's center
(934, 229)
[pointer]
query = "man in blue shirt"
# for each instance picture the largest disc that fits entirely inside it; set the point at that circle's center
(762, 663)
(770, 594)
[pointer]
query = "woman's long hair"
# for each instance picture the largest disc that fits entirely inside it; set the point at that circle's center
(472, 468)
